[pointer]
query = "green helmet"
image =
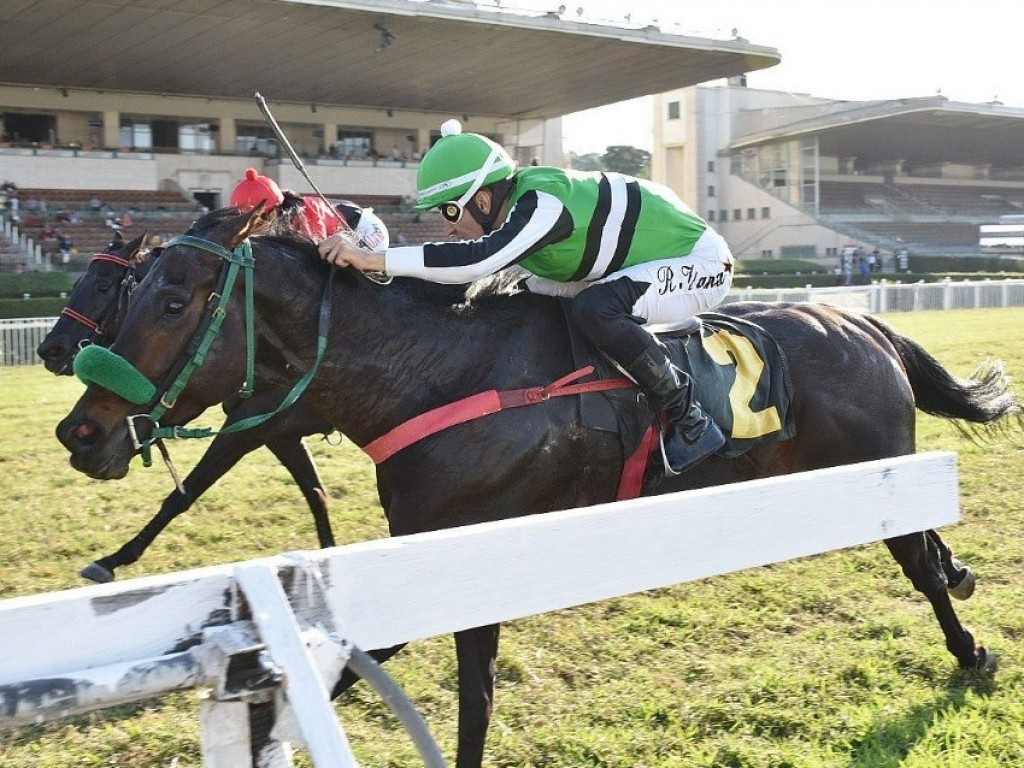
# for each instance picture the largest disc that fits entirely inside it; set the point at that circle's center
(458, 165)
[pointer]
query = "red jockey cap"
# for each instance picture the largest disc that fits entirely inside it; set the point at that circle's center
(254, 189)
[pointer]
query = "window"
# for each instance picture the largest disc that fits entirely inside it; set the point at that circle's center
(711, 190)
(750, 213)
(197, 137)
(711, 166)
(711, 215)
(255, 140)
(766, 213)
(737, 214)
(766, 254)
(723, 215)
(354, 144)
(136, 132)
(673, 110)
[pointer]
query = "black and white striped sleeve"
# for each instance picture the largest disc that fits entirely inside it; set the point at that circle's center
(537, 219)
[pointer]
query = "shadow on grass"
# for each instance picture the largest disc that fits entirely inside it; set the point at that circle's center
(889, 743)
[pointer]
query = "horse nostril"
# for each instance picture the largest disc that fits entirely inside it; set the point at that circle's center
(85, 434)
(51, 352)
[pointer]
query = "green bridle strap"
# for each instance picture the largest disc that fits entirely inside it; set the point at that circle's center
(240, 257)
(301, 384)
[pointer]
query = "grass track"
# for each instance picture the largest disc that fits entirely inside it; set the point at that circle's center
(826, 661)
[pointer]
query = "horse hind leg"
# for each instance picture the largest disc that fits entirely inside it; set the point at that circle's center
(918, 556)
(477, 651)
(960, 580)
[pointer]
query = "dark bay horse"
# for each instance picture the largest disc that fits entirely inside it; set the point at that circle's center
(399, 350)
(93, 315)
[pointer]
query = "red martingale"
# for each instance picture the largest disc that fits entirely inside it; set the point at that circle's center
(492, 401)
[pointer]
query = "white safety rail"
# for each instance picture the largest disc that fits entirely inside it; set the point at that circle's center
(20, 337)
(886, 296)
(274, 630)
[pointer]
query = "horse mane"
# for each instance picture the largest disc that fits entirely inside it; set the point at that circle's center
(489, 293)
(461, 298)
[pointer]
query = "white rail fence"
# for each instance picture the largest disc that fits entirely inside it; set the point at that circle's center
(270, 632)
(899, 297)
(20, 337)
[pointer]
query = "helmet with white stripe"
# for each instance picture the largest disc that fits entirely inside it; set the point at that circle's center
(458, 165)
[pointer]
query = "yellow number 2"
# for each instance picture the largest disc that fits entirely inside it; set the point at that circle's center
(731, 349)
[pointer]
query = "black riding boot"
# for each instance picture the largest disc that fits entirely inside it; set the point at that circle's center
(691, 435)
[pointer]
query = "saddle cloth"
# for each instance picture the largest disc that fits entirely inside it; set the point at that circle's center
(740, 377)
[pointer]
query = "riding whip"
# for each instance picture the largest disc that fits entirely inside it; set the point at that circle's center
(301, 168)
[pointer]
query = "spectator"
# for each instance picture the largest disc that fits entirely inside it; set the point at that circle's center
(113, 224)
(64, 245)
(126, 220)
(95, 204)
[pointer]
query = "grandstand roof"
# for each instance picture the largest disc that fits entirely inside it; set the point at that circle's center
(922, 130)
(445, 55)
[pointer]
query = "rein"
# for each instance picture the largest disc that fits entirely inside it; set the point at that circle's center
(240, 258)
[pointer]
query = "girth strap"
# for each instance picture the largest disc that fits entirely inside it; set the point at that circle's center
(482, 404)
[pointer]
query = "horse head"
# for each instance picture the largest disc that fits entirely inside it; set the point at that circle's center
(97, 304)
(138, 383)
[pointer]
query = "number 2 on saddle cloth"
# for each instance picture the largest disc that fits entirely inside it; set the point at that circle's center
(740, 377)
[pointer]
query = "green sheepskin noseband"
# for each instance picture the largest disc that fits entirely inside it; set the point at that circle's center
(98, 365)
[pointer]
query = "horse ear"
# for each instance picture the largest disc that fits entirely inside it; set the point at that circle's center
(117, 240)
(133, 248)
(251, 223)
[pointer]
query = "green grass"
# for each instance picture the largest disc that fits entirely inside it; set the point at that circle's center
(826, 661)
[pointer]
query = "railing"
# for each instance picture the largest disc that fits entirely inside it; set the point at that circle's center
(897, 297)
(20, 337)
(275, 633)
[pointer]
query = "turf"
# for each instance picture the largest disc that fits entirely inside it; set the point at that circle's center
(825, 661)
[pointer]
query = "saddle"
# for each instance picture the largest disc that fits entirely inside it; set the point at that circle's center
(740, 376)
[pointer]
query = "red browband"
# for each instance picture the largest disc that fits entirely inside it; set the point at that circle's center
(112, 258)
(90, 324)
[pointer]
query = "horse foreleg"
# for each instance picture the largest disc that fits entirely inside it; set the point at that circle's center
(477, 650)
(224, 452)
(959, 576)
(920, 564)
(294, 454)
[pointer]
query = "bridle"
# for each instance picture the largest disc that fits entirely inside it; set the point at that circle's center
(99, 326)
(239, 259)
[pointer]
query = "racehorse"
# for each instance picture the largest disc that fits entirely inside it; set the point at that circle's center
(399, 350)
(93, 315)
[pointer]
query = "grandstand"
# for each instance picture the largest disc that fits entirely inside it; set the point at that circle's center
(173, 110)
(806, 176)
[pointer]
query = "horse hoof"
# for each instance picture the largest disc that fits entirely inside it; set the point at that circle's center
(965, 587)
(987, 662)
(97, 573)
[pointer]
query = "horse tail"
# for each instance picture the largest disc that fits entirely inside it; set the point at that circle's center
(984, 398)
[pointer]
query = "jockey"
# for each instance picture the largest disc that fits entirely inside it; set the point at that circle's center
(310, 215)
(629, 252)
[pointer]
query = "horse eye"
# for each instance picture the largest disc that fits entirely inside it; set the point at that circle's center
(175, 307)
(103, 287)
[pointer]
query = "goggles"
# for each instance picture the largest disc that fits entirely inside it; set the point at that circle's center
(451, 211)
